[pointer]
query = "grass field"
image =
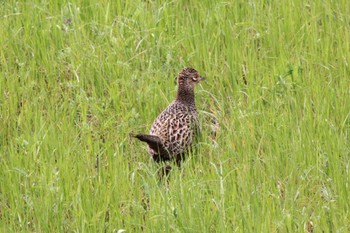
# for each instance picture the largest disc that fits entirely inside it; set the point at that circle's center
(76, 77)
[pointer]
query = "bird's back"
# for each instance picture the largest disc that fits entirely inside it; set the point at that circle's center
(177, 127)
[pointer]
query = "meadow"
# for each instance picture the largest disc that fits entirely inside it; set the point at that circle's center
(77, 77)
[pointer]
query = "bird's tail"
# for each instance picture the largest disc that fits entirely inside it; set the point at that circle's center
(147, 138)
(154, 142)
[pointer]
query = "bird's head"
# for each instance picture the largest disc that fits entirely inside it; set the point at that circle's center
(188, 78)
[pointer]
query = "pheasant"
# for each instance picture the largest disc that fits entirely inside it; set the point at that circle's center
(175, 129)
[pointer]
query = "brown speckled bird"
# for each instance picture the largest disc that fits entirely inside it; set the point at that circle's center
(174, 130)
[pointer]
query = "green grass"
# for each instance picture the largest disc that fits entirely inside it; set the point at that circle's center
(77, 77)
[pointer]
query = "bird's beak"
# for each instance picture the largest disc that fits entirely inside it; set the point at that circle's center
(202, 78)
(175, 80)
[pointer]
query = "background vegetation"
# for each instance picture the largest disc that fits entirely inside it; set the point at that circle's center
(78, 76)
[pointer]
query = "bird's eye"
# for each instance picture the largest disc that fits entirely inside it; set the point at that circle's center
(194, 79)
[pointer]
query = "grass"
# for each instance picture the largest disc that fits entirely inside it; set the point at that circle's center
(78, 77)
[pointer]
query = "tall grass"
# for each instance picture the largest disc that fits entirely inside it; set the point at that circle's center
(78, 77)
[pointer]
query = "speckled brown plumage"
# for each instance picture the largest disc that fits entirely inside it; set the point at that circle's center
(174, 130)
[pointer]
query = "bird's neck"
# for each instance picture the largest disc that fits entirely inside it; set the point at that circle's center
(186, 96)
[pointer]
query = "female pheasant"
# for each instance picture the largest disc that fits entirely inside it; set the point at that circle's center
(175, 129)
